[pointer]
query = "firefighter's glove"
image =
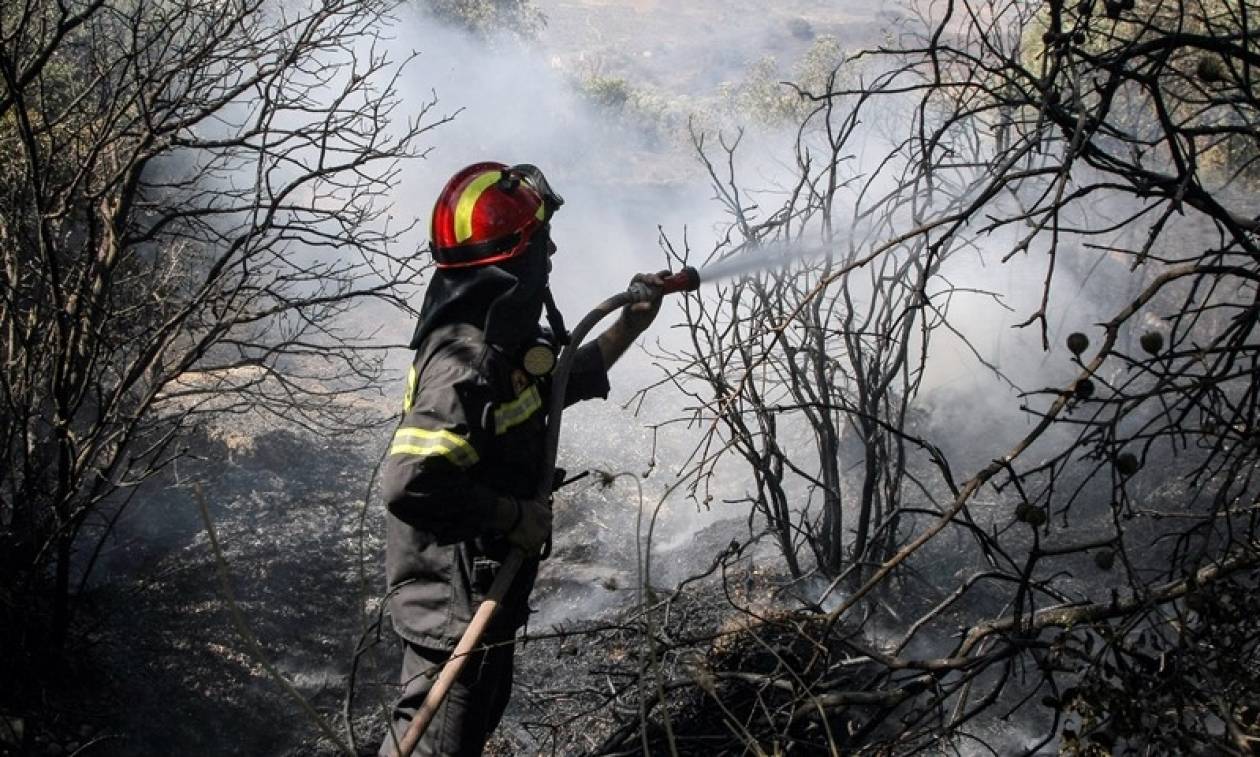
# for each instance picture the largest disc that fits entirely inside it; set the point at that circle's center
(637, 316)
(525, 523)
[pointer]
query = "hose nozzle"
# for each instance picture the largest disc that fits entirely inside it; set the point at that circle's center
(686, 280)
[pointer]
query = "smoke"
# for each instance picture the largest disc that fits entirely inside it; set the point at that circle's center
(512, 106)
(625, 182)
(622, 186)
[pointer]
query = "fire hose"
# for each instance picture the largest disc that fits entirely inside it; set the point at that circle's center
(686, 280)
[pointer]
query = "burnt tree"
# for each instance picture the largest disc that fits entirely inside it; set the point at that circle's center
(194, 197)
(1090, 574)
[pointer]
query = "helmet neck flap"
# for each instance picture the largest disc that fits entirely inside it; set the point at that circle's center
(504, 300)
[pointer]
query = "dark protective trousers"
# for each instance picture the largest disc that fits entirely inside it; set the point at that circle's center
(472, 708)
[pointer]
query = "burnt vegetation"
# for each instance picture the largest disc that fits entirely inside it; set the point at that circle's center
(1074, 573)
(182, 183)
(1062, 555)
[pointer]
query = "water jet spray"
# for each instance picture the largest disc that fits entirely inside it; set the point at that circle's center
(778, 255)
(762, 257)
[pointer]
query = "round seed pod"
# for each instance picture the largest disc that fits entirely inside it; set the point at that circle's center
(1083, 389)
(1021, 512)
(1036, 517)
(1152, 342)
(1210, 69)
(1077, 342)
(1126, 464)
(1104, 559)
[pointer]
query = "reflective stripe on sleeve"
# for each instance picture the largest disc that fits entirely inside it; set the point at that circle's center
(517, 411)
(410, 396)
(425, 443)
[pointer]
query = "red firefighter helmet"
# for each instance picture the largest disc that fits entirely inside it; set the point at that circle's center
(487, 214)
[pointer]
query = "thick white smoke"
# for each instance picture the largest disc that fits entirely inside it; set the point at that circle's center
(620, 187)
(518, 103)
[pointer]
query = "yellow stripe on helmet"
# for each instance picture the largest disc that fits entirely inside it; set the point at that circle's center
(468, 200)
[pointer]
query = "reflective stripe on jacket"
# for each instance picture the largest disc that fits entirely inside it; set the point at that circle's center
(472, 429)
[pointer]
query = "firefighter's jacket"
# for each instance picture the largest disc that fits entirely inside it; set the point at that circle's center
(473, 429)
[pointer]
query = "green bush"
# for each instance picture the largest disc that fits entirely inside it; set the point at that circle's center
(487, 18)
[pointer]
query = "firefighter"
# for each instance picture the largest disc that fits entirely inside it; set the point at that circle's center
(462, 474)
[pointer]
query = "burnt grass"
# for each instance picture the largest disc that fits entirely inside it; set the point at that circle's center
(166, 670)
(159, 667)
(726, 679)
(708, 665)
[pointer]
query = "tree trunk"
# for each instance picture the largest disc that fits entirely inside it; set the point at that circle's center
(832, 537)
